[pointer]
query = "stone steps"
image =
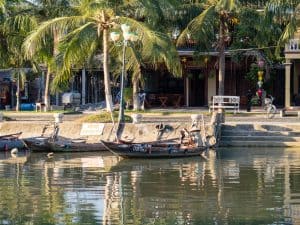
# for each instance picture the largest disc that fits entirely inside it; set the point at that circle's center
(258, 144)
(260, 135)
(261, 138)
(262, 127)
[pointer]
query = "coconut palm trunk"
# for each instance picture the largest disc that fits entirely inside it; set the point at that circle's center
(136, 99)
(221, 58)
(18, 93)
(47, 88)
(108, 96)
(48, 75)
(221, 111)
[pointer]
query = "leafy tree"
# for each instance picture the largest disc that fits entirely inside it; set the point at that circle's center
(218, 16)
(88, 32)
(157, 51)
(45, 51)
(83, 33)
(16, 25)
(285, 13)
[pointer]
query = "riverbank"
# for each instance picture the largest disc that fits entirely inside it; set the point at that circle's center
(32, 124)
(155, 115)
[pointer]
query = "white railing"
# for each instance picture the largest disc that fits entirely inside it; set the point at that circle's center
(293, 45)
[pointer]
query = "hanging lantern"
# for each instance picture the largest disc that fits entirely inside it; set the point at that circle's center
(261, 63)
(260, 75)
(259, 83)
(259, 92)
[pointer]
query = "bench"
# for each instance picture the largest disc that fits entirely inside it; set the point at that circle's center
(225, 102)
(292, 110)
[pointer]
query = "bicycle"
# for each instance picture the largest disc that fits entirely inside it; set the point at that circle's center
(269, 107)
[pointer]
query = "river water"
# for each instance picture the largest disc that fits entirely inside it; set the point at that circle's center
(233, 186)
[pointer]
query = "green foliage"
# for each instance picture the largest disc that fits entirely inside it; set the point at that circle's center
(255, 101)
(128, 94)
(286, 15)
(252, 74)
(2, 5)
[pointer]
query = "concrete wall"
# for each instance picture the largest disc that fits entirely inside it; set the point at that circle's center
(136, 132)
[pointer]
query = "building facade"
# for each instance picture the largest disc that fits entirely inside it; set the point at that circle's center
(292, 71)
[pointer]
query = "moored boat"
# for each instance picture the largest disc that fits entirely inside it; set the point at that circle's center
(160, 149)
(10, 141)
(42, 144)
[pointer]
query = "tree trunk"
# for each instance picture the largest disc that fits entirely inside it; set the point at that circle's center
(108, 96)
(221, 58)
(18, 94)
(135, 95)
(221, 110)
(46, 94)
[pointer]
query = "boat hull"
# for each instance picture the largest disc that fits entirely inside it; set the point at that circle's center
(135, 150)
(40, 145)
(10, 141)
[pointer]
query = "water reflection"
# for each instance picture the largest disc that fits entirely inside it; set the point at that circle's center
(234, 186)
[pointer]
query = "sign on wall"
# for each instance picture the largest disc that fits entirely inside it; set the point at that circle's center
(92, 129)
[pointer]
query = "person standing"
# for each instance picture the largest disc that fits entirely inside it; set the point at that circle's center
(249, 97)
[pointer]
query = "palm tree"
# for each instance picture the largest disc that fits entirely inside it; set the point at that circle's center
(19, 74)
(159, 49)
(15, 27)
(83, 31)
(88, 32)
(45, 10)
(154, 49)
(217, 16)
(285, 13)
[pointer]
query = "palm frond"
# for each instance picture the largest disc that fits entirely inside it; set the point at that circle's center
(2, 4)
(79, 45)
(154, 47)
(93, 7)
(134, 63)
(228, 5)
(39, 37)
(19, 74)
(21, 24)
(286, 35)
(61, 81)
(154, 11)
(281, 8)
(201, 28)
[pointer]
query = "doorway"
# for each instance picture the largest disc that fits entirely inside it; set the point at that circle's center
(197, 88)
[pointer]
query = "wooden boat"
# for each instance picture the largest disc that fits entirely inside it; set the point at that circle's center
(153, 149)
(11, 136)
(10, 141)
(43, 144)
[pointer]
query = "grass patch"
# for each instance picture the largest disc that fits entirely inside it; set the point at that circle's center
(166, 112)
(103, 117)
